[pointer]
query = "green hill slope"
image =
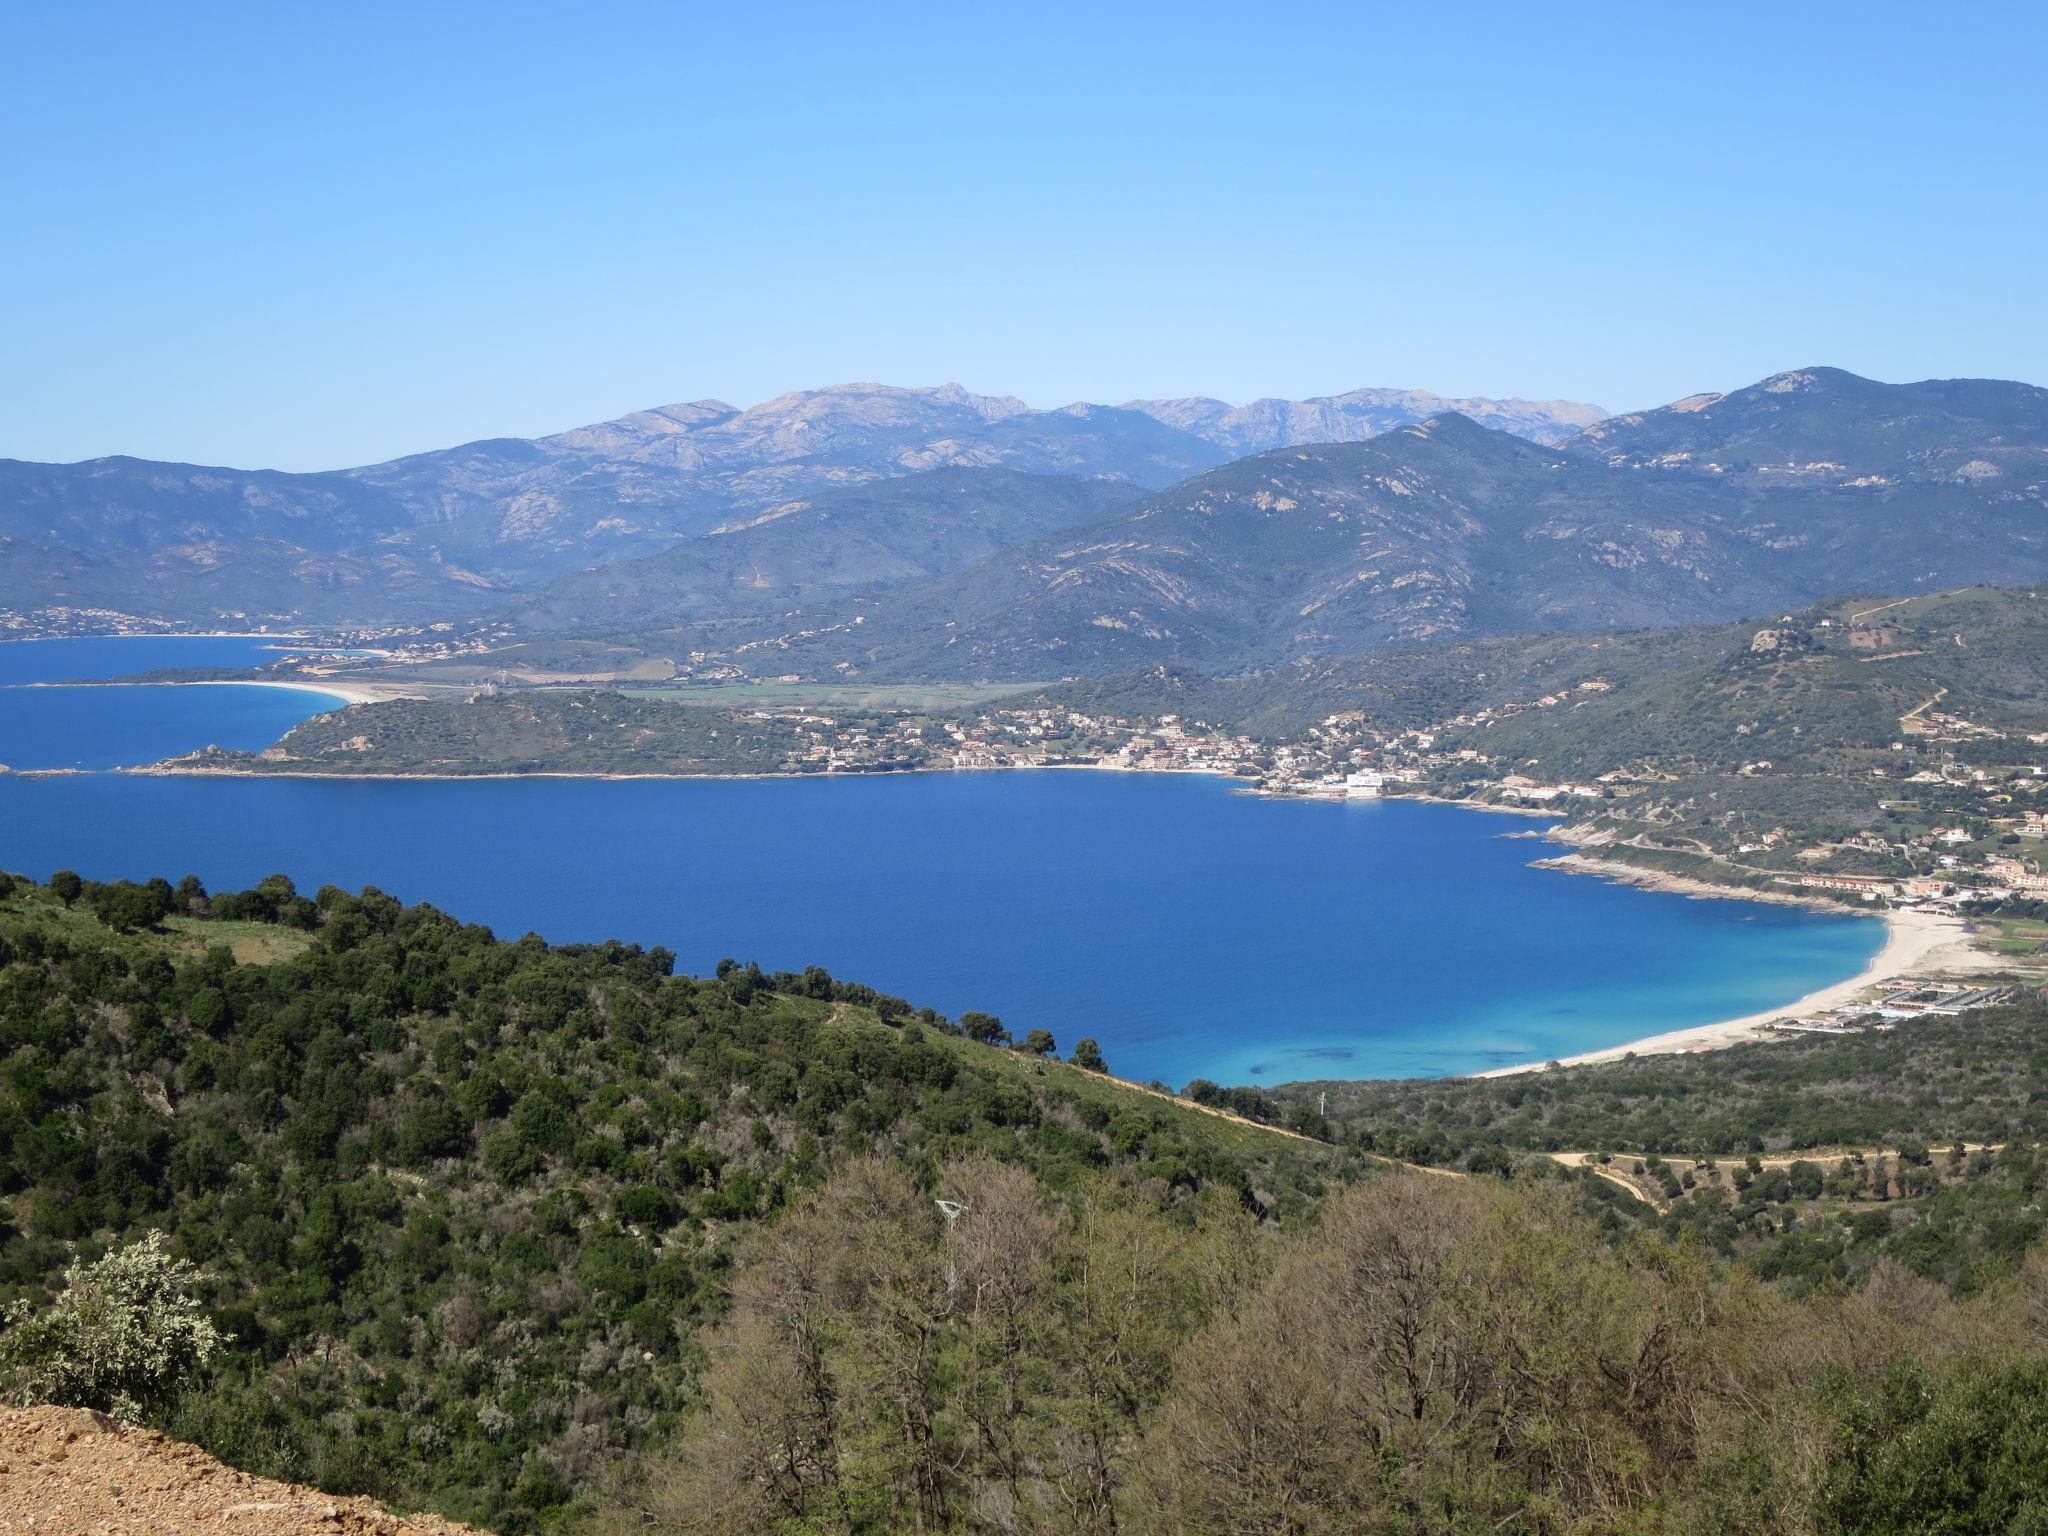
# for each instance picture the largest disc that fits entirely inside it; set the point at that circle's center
(464, 1203)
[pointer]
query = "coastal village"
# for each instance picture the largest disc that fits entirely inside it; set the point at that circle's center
(1977, 831)
(1989, 849)
(1963, 803)
(1989, 843)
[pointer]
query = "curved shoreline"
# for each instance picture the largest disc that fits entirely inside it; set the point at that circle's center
(399, 776)
(1912, 940)
(345, 692)
(348, 693)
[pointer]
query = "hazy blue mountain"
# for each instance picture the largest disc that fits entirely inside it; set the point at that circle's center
(195, 543)
(1434, 531)
(1892, 487)
(1826, 429)
(863, 538)
(526, 510)
(1803, 484)
(1445, 530)
(1361, 414)
(453, 527)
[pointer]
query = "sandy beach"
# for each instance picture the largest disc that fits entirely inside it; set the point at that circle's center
(354, 693)
(1914, 941)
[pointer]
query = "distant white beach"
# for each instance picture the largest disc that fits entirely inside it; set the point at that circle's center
(1913, 941)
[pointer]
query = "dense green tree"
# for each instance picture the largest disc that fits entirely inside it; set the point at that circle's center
(985, 1027)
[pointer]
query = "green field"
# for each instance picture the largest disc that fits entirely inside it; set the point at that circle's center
(251, 943)
(2019, 937)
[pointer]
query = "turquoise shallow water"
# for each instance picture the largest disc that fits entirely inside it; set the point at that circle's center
(85, 727)
(1192, 931)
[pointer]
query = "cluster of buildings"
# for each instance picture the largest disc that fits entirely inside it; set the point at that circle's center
(1899, 997)
(1939, 726)
(1055, 736)
(60, 621)
(1346, 757)
(1024, 737)
(1952, 865)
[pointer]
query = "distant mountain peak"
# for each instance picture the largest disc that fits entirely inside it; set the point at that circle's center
(1821, 380)
(1357, 415)
(989, 407)
(640, 428)
(696, 410)
(1829, 427)
(1449, 421)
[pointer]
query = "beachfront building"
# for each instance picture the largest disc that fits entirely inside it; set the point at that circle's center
(1857, 885)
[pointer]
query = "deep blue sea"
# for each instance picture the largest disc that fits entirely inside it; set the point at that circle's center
(1192, 931)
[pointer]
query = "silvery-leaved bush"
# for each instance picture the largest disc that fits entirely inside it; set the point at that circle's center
(122, 1338)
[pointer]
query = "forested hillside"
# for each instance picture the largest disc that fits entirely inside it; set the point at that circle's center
(1399, 688)
(593, 731)
(1436, 1355)
(464, 1203)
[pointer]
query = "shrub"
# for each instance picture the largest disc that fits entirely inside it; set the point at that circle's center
(123, 1338)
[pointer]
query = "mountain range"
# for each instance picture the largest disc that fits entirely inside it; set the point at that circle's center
(1806, 484)
(442, 533)
(1353, 417)
(867, 537)
(908, 534)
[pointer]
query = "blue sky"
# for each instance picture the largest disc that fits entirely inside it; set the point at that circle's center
(316, 236)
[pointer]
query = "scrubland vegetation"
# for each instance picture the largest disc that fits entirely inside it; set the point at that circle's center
(463, 1204)
(549, 1238)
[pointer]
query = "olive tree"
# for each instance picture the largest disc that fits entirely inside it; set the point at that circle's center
(122, 1338)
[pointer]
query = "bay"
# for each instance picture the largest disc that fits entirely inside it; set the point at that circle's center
(45, 724)
(1190, 930)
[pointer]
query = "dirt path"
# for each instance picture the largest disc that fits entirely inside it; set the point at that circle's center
(1601, 1170)
(1858, 618)
(1250, 1124)
(1823, 1157)
(1919, 709)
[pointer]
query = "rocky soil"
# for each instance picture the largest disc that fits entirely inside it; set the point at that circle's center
(69, 1472)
